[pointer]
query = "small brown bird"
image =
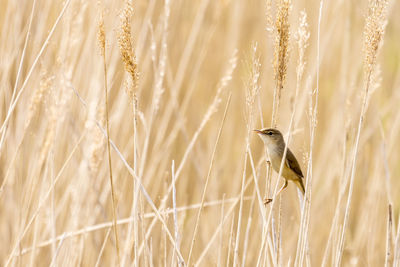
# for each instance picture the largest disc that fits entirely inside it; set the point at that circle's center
(275, 145)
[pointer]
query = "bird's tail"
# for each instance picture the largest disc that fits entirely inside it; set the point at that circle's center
(300, 185)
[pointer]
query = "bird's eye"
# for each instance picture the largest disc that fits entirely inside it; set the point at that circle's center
(269, 133)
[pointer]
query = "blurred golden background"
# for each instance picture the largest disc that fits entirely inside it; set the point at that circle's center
(189, 176)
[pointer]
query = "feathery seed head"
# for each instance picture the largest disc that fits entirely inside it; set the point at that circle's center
(302, 35)
(101, 34)
(126, 48)
(373, 32)
(281, 53)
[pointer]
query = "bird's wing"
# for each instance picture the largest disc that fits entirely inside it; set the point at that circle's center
(292, 163)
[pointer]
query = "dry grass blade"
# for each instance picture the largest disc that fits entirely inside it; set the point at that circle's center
(396, 255)
(203, 196)
(251, 94)
(109, 225)
(373, 34)
(176, 226)
(44, 46)
(42, 202)
(102, 45)
(210, 111)
(303, 35)
(102, 247)
(389, 255)
(3, 135)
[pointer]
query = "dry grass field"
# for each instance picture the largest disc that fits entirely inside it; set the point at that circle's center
(181, 178)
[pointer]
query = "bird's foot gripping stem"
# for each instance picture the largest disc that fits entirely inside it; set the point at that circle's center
(267, 201)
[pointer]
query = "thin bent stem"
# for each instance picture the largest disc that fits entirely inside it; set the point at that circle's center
(207, 180)
(109, 160)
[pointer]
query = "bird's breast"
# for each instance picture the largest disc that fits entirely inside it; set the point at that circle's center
(275, 156)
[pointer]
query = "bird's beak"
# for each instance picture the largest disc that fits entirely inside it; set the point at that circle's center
(258, 131)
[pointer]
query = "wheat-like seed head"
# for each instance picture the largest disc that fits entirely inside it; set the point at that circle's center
(373, 33)
(222, 84)
(101, 34)
(126, 48)
(49, 133)
(302, 35)
(253, 86)
(96, 139)
(40, 95)
(281, 55)
(268, 15)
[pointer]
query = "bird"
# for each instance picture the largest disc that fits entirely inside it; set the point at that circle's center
(275, 145)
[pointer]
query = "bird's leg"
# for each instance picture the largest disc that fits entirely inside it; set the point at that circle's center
(283, 187)
(268, 200)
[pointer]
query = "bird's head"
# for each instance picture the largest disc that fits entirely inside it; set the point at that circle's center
(270, 136)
